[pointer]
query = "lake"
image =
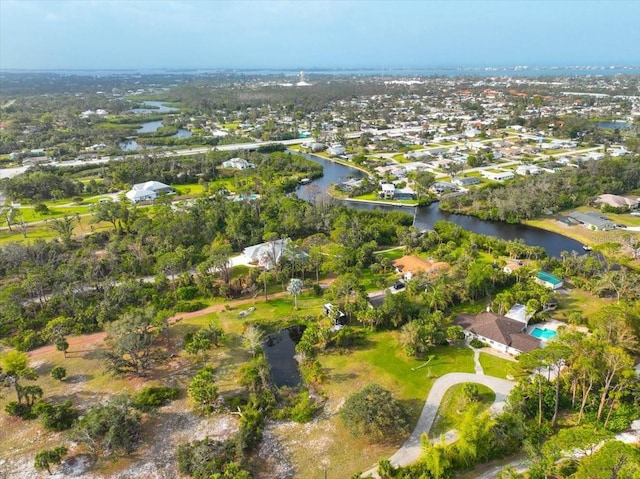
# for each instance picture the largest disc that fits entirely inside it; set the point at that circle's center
(150, 127)
(156, 107)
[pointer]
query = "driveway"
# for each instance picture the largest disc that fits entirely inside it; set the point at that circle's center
(410, 450)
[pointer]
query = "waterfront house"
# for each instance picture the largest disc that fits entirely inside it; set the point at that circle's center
(387, 191)
(336, 149)
(593, 221)
(548, 280)
(441, 187)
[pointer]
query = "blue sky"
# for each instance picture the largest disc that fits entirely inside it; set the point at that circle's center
(149, 34)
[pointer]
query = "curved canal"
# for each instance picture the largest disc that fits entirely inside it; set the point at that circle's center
(426, 216)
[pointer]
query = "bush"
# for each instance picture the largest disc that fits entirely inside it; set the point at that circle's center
(187, 292)
(110, 428)
(151, 398)
(304, 409)
(21, 410)
(476, 343)
(59, 373)
(374, 413)
(209, 458)
(187, 307)
(56, 417)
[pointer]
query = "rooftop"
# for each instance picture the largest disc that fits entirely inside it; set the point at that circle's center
(548, 277)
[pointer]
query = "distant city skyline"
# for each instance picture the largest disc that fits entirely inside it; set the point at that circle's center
(154, 34)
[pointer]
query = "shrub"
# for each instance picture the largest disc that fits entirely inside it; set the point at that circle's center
(187, 292)
(476, 343)
(152, 397)
(47, 457)
(21, 410)
(58, 372)
(304, 409)
(209, 458)
(110, 428)
(56, 417)
(374, 413)
(187, 307)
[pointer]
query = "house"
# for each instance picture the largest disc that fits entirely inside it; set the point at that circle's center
(147, 191)
(524, 170)
(497, 175)
(238, 164)
(512, 265)
(502, 333)
(616, 201)
(388, 191)
(441, 187)
(266, 255)
(336, 149)
(466, 181)
(593, 221)
(548, 280)
(408, 266)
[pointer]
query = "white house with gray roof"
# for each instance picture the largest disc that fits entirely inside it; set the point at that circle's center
(593, 221)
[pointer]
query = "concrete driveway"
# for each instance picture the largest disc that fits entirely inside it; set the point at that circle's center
(410, 450)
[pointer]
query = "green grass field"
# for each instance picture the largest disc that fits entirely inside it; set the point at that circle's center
(498, 367)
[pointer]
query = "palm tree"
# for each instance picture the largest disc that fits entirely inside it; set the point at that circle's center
(295, 288)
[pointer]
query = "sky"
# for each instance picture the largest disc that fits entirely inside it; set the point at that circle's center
(171, 34)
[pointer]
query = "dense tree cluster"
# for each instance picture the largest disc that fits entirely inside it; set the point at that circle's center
(532, 196)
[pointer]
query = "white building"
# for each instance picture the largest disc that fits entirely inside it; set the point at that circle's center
(147, 191)
(266, 255)
(336, 150)
(497, 175)
(238, 164)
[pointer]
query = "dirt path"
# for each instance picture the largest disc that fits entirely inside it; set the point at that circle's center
(90, 341)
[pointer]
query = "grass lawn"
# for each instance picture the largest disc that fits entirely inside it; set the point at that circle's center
(380, 360)
(453, 405)
(395, 253)
(581, 301)
(498, 367)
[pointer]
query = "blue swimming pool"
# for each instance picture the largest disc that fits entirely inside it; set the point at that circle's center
(543, 333)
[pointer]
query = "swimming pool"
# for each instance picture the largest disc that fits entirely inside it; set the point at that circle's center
(543, 334)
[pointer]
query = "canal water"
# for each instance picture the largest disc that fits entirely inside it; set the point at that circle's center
(426, 216)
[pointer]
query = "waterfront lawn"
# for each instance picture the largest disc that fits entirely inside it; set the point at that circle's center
(453, 405)
(499, 367)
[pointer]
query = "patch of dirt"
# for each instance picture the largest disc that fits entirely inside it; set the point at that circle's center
(275, 463)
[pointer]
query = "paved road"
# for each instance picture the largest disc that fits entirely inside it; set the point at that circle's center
(410, 450)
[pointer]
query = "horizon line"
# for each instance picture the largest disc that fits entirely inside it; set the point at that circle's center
(600, 66)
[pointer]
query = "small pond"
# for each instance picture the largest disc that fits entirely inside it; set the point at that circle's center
(279, 350)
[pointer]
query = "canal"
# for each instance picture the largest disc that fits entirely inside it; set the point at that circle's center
(426, 216)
